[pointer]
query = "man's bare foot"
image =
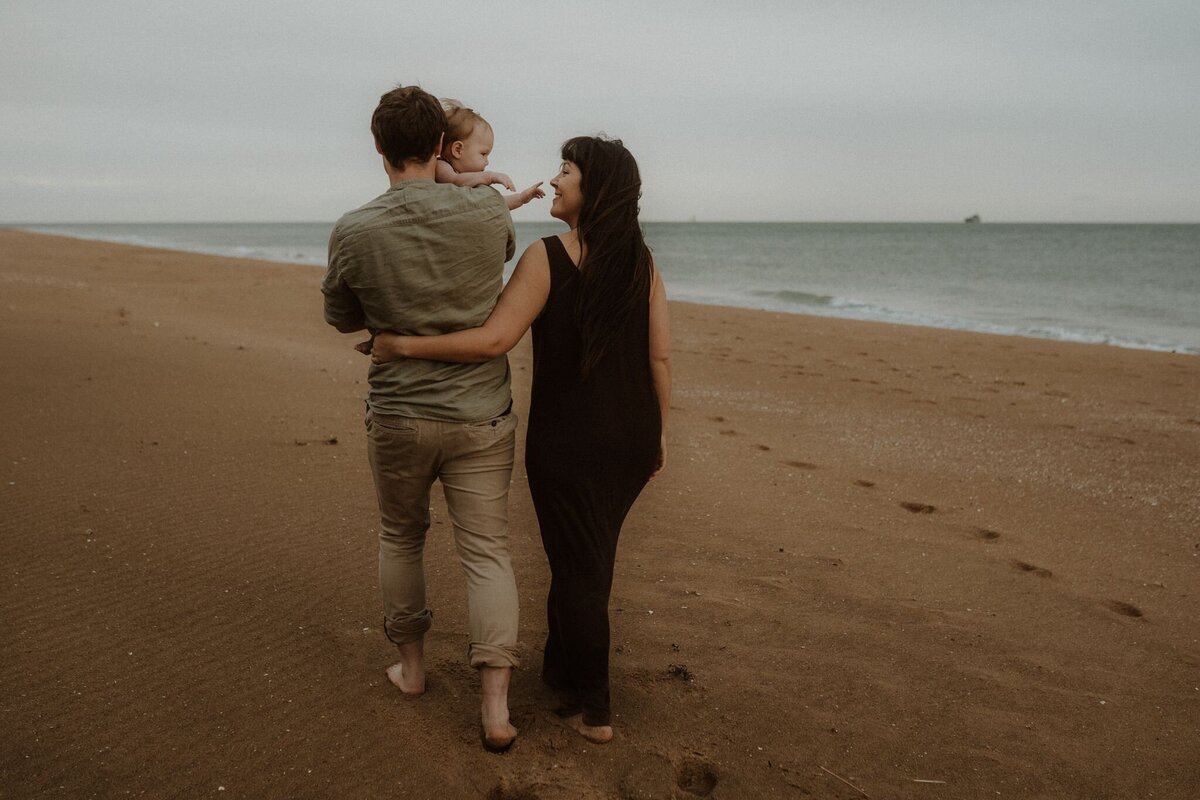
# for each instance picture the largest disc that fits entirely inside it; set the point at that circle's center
(597, 734)
(408, 674)
(495, 732)
(409, 685)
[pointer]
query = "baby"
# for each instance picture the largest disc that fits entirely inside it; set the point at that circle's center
(465, 155)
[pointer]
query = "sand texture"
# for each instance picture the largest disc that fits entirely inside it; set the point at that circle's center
(883, 561)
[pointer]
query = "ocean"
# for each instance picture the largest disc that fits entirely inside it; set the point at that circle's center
(1125, 285)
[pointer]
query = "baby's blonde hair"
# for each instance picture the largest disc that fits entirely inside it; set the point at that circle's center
(460, 121)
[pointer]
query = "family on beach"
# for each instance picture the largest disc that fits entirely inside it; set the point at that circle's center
(421, 269)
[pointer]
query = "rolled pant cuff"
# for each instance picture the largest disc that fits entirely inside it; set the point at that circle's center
(410, 630)
(491, 655)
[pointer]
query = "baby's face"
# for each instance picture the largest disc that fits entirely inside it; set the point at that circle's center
(476, 147)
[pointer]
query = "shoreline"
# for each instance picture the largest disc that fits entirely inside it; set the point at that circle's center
(895, 554)
(884, 315)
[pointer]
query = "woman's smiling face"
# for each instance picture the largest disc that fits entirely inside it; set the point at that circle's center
(568, 196)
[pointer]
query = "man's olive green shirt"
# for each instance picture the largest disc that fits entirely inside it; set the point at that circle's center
(424, 258)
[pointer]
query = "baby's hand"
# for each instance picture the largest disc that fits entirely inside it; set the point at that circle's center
(502, 179)
(530, 193)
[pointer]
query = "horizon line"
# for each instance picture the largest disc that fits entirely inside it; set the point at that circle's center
(643, 222)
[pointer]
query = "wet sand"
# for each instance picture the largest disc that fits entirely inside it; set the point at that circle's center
(883, 561)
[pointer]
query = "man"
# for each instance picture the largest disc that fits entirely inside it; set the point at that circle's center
(427, 258)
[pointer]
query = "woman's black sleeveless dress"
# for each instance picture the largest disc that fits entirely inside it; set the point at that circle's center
(590, 448)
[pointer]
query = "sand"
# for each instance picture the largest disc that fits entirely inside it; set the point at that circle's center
(922, 563)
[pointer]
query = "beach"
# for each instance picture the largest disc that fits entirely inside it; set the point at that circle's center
(882, 561)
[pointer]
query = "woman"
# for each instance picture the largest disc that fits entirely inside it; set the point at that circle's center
(598, 410)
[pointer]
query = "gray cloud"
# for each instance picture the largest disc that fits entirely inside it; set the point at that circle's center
(860, 111)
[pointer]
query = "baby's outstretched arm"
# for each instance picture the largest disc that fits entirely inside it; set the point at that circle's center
(447, 174)
(515, 201)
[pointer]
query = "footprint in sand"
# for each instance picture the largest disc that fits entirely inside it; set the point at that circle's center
(762, 447)
(729, 432)
(1124, 609)
(716, 419)
(864, 484)
(799, 464)
(1023, 566)
(986, 535)
(918, 508)
(696, 776)
(680, 672)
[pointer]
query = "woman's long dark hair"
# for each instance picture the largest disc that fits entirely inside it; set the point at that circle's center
(615, 272)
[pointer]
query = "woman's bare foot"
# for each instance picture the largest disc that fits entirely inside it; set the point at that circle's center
(495, 731)
(498, 743)
(408, 674)
(596, 734)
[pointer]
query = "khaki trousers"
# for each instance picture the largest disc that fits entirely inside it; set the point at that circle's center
(474, 462)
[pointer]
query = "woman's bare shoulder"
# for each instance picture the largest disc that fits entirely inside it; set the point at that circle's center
(536, 248)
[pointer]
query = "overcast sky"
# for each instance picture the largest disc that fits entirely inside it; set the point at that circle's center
(258, 110)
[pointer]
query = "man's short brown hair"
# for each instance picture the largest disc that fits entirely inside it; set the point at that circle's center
(407, 125)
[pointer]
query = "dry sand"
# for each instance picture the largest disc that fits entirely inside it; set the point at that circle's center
(927, 564)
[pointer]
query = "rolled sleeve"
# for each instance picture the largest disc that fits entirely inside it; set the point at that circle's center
(342, 307)
(510, 249)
